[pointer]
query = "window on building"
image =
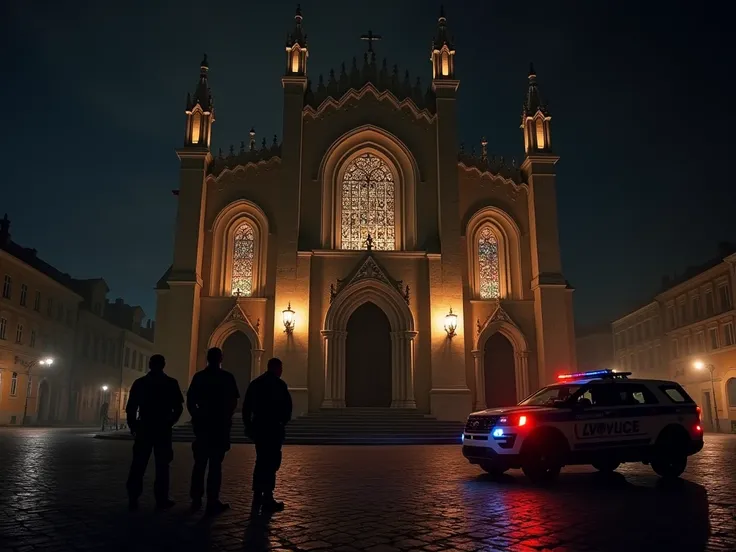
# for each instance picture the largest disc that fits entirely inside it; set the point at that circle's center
(32, 341)
(656, 357)
(489, 274)
(656, 325)
(14, 384)
(682, 307)
(126, 357)
(642, 361)
(724, 297)
(675, 349)
(728, 336)
(695, 306)
(19, 333)
(135, 360)
(103, 356)
(243, 256)
(731, 391)
(700, 342)
(648, 329)
(629, 337)
(3, 328)
(23, 295)
(671, 317)
(60, 313)
(69, 314)
(686, 345)
(111, 353)
(85, 347)
(49, 307)
(713, 334)
(368, 204)
(37, 302)
(638, 333)
(710, 309)
(7, 287)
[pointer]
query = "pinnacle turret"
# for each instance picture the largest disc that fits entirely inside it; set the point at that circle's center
(296, 48)
(297, 35)
(443, 51)
(533, 101)
(202, 93)
(535, 118)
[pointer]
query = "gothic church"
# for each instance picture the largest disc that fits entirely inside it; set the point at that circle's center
(382, 265)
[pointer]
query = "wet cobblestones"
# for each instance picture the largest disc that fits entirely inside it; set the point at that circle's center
(62, 490)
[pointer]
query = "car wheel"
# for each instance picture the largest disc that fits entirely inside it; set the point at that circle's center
(606, 465)
(669, 467)
(493, 470)
(541, 462)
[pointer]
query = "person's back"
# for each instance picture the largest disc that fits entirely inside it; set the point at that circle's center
(154, 406)
(211, 400)
(157, 397)
(268, 402)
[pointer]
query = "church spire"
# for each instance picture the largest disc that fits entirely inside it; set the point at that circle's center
(296, 47)
(535, 118)
(200, 110)
(443, 51)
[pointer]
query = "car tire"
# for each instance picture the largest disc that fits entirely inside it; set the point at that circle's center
(669, 467)
(541, 459)
(606, 466)
(493, 470)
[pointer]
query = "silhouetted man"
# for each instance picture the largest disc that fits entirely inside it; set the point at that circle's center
(154, 406)
(266, 411)
(211, 400)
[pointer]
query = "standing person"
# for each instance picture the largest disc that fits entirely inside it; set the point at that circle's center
(266, 411)
(154, 406)
(211, 401)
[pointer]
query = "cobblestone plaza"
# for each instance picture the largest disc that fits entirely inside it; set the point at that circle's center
(63, 490)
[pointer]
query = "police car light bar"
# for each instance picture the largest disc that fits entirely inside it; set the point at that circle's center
(593, 374)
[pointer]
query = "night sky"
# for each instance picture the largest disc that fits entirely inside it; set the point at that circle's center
(640, 97)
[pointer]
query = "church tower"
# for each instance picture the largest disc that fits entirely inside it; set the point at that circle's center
(449, 386)
(293, 269)
(179, 291)
(552, 295)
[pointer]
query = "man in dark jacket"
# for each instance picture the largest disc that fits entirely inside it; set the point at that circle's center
(266, 411)
(154, 406)
(211, 401)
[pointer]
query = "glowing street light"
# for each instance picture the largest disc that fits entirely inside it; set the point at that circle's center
(700, 365)
(105, 388)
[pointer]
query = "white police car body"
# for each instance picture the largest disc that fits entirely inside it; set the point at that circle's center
(601, 418)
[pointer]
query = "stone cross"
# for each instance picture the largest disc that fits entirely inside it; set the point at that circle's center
(370, 37)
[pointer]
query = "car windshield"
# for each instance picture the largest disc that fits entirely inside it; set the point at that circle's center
(551, 395)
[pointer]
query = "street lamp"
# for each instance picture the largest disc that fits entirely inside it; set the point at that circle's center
(47, 361)
(700, 365)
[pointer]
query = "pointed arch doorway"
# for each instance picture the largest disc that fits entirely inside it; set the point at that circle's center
(237, 358)
(368, 358)
(499, 372)
(394, 309)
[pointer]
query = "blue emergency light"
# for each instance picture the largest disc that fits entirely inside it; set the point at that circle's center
(593, 374)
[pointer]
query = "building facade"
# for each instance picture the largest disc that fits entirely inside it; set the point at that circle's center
(385, 267)
(687, 333)
(38, 316)
(112, 349)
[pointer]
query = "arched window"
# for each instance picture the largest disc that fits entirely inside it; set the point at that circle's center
(243, 255)
(731, 390)
(196, 126)
(368, 204)
(540, 134)
(489, 273)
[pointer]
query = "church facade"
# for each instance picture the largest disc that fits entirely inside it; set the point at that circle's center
(382, 265)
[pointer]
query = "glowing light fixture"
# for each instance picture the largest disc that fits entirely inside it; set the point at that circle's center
(498, 432)
(287, 316)
(105, 388)
(450, 323)
(46, 361)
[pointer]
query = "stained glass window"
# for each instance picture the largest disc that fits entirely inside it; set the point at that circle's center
(243, 255)
(368, 204)
(488, 264)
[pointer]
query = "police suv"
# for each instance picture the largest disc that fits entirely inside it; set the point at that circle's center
(601, 418)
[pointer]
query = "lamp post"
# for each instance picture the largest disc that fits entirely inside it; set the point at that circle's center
(699, 365)
(105, 406)
(29, 366)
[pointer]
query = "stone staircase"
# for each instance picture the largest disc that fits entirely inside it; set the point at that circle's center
(355, 426)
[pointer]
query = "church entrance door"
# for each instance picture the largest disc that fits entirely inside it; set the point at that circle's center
(236, 359)
(368, 358)
(500, 374)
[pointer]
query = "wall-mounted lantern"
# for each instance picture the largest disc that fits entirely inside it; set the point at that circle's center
(288, 319)
(450, 323)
